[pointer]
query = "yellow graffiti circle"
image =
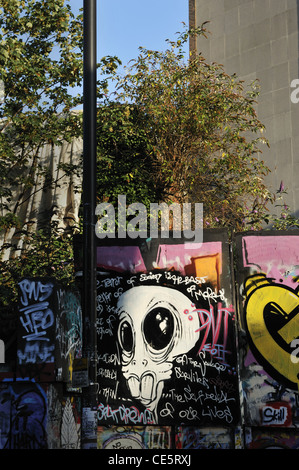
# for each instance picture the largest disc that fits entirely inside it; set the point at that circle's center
(260, 295)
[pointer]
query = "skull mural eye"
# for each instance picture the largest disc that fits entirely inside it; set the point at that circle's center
(159, 328)
(126, 337)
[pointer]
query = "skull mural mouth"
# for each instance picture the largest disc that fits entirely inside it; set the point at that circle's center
(153, 330)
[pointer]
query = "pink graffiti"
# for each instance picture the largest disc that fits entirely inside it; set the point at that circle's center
(181, 257)
(276, 256)
(213, 326)
(120, 258)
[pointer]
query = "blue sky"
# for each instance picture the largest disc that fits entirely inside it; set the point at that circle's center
(124, 25)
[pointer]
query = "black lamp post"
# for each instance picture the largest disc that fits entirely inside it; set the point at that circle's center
(89, 201)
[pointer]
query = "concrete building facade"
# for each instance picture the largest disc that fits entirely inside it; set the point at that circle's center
(258, 39)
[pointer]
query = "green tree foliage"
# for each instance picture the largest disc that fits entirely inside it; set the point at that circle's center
(126, 163)
(40, 65)
(47, 255)
(177, 130)
(286, 220)
(202, 128)
(40, 62)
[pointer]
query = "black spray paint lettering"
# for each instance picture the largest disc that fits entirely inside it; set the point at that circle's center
(275, 416)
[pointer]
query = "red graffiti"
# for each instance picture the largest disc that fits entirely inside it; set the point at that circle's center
(214, 326)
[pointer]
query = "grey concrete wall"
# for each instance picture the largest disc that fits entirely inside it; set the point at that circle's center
(258, 39)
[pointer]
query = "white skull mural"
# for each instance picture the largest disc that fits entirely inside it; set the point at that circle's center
(154, 328)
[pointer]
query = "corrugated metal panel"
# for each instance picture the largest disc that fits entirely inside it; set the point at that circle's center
(58, 201)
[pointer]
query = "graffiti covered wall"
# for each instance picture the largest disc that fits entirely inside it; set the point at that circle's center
(267, 278)
(39, 409)
(192, 354)
(166, 342)
(38, 416)
(49, 330)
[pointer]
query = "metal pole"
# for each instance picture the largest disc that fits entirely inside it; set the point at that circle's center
(89, 204)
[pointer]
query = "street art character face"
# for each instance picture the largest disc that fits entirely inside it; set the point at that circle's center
(153, 329)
